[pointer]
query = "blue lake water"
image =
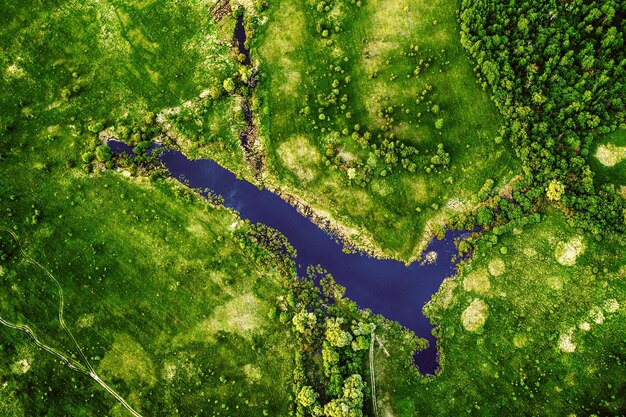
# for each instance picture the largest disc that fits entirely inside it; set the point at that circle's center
(386, 287)
(240, 37)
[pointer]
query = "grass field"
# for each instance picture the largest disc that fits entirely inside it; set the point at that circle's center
(168, 307)
(378, 48)
(165, 295)
(101, 61)
(535, 329)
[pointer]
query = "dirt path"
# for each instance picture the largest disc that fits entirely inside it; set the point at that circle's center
(373, 375)
(85, 368)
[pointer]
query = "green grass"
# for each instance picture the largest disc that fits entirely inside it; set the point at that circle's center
(551, 339)
(162, 295)
(166, 296)
(391, 213)
(210, 129)
(81, 61)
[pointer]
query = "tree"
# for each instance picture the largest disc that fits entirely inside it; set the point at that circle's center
(441, 157)
(360, 343)
(484, 216)
(303, 320)
(96, 127)
(553, 111)
(555, 190)
(307, 396)
(351, 402)
(104, 153)
(335, 335)
(439, 124)
(229, 85)
(87, 157)
(214, 92)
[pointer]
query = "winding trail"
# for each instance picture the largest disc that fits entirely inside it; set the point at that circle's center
(73, 364)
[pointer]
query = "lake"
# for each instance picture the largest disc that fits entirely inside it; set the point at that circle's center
(387, 287)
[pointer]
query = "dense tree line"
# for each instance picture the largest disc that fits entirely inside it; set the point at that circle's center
(557, 73)
(333, 340)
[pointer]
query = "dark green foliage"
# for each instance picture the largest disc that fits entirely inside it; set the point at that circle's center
(87, 157)
(484, 216)
(104, 153)
(8, 246)
(557, 72)
(96, 127)
(332, 330)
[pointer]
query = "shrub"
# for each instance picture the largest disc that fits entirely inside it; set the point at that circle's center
(103, 153)
(96, 127)
(87, 157)
(229, 85)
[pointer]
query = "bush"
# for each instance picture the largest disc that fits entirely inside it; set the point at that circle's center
(229, 85)
(87, 157)
(103, 153)
(96, 127)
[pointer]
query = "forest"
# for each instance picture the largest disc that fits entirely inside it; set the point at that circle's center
(556, 72)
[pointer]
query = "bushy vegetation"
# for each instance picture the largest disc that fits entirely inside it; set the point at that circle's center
(329, 329)
(557, 72)
(534, 329)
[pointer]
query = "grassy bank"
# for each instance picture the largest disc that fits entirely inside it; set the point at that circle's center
(324, 149)
(531, 326)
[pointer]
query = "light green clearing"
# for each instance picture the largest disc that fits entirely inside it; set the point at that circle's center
(294, 65)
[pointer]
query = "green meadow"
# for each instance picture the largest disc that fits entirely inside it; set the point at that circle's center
(166, 295)
(533, 325)
(371, 58)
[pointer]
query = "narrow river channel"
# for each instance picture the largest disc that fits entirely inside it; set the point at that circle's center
(386, 287)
